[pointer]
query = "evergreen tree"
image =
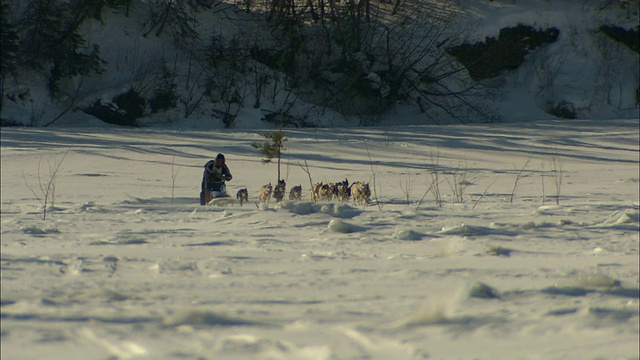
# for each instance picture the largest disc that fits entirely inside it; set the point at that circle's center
(272, 148)
(8, 48)
(226, 71)
(52, 44)
(179, 17)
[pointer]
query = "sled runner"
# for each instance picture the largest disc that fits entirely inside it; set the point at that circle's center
(220, 198)
(216, 197)
(222, 201)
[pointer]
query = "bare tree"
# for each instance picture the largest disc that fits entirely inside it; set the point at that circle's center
(557, 173)
(197, 83)
(406, 185)
(388, 55)
(305, 168)
(375, 185)
(435, 178)
(607, 87)
(458, 184)
(519, 176)
(226, 76)
(418, 67)
(484, 193)
(547, 69)
(174, 177)
(542, 175)
(45, 193)
(424, 195)
(177, 16)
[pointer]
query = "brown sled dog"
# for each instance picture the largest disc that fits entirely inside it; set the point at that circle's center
(361, 193)
(265, 193)
(296, 193)
(321, 192)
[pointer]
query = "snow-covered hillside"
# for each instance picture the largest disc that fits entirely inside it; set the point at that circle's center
(531, 252)
(583, 72)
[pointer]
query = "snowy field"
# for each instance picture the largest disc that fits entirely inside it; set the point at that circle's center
(532, 253)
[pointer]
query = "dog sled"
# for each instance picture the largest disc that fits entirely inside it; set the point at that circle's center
(216, 197)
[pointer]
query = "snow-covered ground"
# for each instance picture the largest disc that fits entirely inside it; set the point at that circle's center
(127, 265)
(593, 75)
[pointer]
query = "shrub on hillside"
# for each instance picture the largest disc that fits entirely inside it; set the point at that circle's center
(628, 37)
(124, 111)
(563, 109)
(489, 59)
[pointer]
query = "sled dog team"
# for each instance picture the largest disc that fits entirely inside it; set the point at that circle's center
(341, 191)
(216, 173)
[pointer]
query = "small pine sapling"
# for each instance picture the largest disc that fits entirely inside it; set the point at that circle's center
(272, 148)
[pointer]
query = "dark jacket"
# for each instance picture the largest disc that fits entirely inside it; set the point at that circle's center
(214, 177)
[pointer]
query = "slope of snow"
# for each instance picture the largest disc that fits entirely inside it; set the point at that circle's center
(596, 76)
(127, 265)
